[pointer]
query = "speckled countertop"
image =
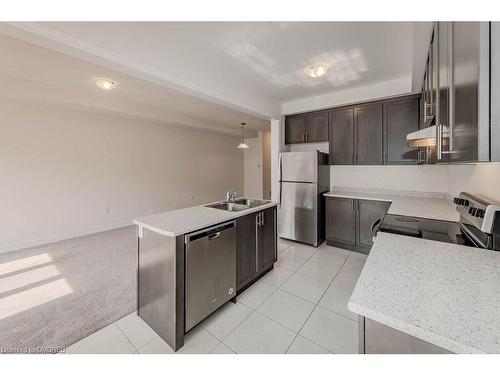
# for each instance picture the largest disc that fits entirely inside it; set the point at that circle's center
(445, 294)
(426, 205)
(178, 222)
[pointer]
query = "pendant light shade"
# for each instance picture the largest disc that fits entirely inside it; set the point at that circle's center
(243, 144)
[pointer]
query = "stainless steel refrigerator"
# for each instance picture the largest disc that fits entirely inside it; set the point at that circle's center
(304, 177)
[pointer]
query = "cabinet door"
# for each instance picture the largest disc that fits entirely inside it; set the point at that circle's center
(246, 259)
(317, 127)
(295, 129)
(341, 136)
(367, 213)
(443, 113)
(400, 118)
(267, 239)
(340, 222)
(368, 136)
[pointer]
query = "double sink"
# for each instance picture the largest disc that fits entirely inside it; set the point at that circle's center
(240, 204)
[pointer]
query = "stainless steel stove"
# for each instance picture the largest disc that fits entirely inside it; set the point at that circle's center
(479, 224)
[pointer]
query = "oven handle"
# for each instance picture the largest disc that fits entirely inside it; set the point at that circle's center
(471, 236)
(374, 228)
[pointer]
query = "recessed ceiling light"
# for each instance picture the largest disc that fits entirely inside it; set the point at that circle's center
(317, 70)
(105, 84)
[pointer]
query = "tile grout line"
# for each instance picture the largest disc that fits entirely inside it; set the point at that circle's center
(124, 334)
(317, 305)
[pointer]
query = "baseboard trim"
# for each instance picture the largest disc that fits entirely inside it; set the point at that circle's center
(65, 236)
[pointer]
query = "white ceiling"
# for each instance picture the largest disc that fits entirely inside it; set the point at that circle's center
(39, 75)
(247, 67)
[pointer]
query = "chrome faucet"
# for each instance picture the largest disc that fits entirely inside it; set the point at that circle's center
(230, 196)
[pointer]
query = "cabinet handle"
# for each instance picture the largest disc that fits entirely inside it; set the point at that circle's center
(303, 137)
(262, 220)
(257, 243)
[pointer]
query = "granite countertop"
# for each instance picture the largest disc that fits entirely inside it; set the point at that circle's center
(442, 293)
(178, 222)
(425, 205)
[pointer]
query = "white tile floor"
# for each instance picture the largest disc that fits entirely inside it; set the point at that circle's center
(299, 307)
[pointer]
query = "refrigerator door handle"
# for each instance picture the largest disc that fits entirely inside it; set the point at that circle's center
(280, 181)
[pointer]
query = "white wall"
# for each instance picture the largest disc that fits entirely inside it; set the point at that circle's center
(429, 178)
(277, 134)
(61, 169)
(359, 94)
(482, 179)
(253, 161)
(266, 166)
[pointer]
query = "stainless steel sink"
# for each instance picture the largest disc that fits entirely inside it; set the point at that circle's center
(240, 204)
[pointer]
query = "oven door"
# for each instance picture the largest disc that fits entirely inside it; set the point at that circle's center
(473, 237)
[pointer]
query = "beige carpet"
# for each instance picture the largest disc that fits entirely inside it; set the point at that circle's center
(56, 294)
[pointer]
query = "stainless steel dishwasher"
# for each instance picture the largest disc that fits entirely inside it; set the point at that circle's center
(210, 271)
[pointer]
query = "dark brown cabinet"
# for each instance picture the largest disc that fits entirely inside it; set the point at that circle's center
(368, 134)
(246, 257)
(266, 235)
(341, 136)
(340, 222)
(295, 129)
(317, 127)
(306, 128)
(349, 222)
(400, 118)
(367, 213)
(256, 245)
(365, 134)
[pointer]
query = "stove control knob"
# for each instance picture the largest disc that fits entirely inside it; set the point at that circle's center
(479, 213)
(472, 211)
(466, 203)
(456, 200)
(461, 202)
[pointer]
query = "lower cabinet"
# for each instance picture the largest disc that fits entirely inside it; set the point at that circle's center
(349, 222)
(256, 245)
(341, 222)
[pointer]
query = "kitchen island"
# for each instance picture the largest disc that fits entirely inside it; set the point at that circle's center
(162, 260)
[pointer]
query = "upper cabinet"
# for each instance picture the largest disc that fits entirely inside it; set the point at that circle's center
(368, 136)
(317, 127)
(400, 118)
(365, 134)
(341, 136)
(374, 133)
(295, 129)
(430, 84)
(306, 128)
(463, 52)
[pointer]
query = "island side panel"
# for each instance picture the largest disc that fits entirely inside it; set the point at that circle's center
(378, 338)
(160, 291)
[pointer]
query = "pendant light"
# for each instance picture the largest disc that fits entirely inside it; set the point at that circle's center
(243, 144)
